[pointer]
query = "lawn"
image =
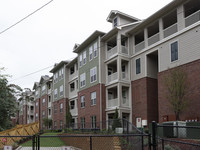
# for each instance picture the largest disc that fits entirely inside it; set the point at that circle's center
(47, 141)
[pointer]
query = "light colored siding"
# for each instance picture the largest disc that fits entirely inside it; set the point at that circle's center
(188, 49)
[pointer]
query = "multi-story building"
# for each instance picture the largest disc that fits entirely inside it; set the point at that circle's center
(116, 69)
(167, 39)
(26, 107)
(43, 100)
(60, 94)
(91, 100)
(72, 74)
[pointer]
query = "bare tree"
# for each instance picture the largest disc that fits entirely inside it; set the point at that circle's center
(177, 90)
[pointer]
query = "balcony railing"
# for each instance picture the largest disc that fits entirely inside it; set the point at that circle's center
(111, 52)
(49, 91)
(49, 104)
(74, 112)
(139, 46)
(195, 17)
(112, 103)
(153, 39)
(124, 76)
(125, 101)
(112, 77)
(170, 30)
(124, 50)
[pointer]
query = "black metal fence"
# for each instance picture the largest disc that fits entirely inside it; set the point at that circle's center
(175, 136)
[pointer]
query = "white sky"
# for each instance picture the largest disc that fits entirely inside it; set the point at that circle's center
(49, 35)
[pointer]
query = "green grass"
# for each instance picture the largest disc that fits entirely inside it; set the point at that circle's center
(47, 141)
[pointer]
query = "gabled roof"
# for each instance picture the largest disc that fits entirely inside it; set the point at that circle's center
(44, 79)
(59, 65)
(172, 5)
(114, 13)
(92, 37)
(75, 46)
(36, 84)
(72, 62)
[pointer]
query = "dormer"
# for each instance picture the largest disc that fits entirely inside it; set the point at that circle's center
(118, 18)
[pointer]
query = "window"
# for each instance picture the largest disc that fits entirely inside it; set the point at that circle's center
(93, 122)
(82, 122)
(43, 101)
(55, 93)
(93, 98)
(72, 87)
(61, 107)
(80, 60)
(55, 124)
(43, 114)
(36, 104)
(93, 74)
(36, 116)
(72, 70)
(84, 58)
(54, 78)
(61, 90)
(61, 124)
(62, 73)
(57, 77)
(115, 22)
(36, 94)
(59, 74)
(82, 101)
(95, 49)
(72, 104)
(138, 68)
(90, 52)
(55, 109)
(82, 80)
(77, 84)
(43, 89)
(174, 51)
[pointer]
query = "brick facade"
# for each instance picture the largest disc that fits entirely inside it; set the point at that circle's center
(192, 111)
(91, 110)
(58, 115)
(145, 99)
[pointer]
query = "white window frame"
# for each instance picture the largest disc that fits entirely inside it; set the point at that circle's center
(61, 90)
(176, 59)
(95, 50)
(82, 122)
(55, 93)
(93, 97)
(80, 60)
(93, 75)
(43, 89)
(61, 107)
(62, 73)
(83, 101)
(90, 53)
(84, 58)
(93, 122)
(43, 101)
(82, 80)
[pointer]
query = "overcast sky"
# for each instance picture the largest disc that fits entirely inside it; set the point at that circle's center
(48, 36)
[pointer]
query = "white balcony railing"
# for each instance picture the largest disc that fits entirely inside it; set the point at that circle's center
(170, 30)
(49, 91)
(139, 46)
(49, 104)
(111, 52)
(124, 76)
(73, 93)
(153, 39)
(125, 101)
(112, 77)
(112, 103)
(124, 50)
(195, 17)
(74, 112)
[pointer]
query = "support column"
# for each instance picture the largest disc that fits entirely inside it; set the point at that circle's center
(161, 29)
(146, 37)
(180, 18)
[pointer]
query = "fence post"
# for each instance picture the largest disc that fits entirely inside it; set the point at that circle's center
(38, 142)
(142, 141)
(149, 139)
(163, 145)
(90, 143)
(154, 125)
(33, 142)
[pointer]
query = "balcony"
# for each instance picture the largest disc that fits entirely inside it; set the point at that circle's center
(125, 76)
(111, 52)
(74, 112)
(112, 77)
(112, 103)
(153, 39)
(49, 104)
(125, 102)
(139, 46)
(193, 18)
(124, 50)
(170, 30)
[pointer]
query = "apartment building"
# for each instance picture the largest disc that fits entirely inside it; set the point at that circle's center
(60, 94)
(116, 67)
(91, 103)
(43, 100)
(72, 71)
(124, 69)
(167, 39)
(26, 107)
